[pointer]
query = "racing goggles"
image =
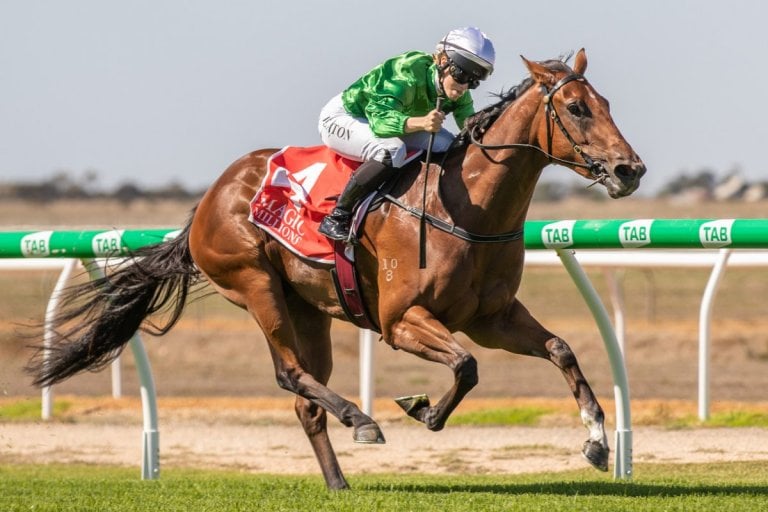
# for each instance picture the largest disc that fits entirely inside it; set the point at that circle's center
(464, 70)
(463, 77)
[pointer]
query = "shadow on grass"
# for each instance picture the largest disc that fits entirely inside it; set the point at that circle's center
(621, 489)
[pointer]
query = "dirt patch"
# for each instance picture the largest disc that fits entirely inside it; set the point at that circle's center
(409, 449)
(262, 436)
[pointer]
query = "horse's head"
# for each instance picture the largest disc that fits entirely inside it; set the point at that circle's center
(578, 131)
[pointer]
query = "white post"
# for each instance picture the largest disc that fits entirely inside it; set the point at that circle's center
(616, 295)
(705, 323)
(366, 371)
(623, 448)
(150, 461)
(117, 379)
(50, 312)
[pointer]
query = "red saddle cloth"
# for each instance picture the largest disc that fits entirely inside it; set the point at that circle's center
(299, 189)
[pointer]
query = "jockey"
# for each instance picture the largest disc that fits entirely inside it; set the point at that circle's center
(393, 108)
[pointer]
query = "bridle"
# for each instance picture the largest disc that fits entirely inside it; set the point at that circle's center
(596, 170)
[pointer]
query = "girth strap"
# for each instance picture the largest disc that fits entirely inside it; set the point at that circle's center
(347, 287)
(455, 230)
(344, 275)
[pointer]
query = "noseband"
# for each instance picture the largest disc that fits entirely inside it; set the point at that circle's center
(596, 170)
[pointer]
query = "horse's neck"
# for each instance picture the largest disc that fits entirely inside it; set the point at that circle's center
(494, 193)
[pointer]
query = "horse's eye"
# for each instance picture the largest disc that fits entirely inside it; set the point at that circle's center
(574, 109)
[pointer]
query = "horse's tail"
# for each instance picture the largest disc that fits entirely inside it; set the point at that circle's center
(98, 318)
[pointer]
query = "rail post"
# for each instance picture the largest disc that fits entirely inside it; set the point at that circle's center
(50, 311)
(705, 324)
(623, 439)
(150, 460)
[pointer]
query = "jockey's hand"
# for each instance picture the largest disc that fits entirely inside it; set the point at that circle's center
(432, 122)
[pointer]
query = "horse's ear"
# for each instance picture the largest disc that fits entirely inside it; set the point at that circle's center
(580, 65)
(538, 72)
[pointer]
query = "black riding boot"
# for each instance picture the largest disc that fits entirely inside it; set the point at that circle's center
(367, 178)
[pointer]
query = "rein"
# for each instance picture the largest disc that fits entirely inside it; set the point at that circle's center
(596, 169)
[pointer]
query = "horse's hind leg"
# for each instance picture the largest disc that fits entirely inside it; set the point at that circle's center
(515, 330)
(265, 299)
(313, 333)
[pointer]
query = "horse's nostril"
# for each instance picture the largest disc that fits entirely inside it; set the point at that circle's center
(623, 172)
(628, 172)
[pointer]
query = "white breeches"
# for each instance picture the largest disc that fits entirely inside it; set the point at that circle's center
(352, 137)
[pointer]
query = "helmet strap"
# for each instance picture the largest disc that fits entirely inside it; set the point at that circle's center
(441, 72)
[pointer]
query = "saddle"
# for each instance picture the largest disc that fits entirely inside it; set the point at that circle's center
(299, 189)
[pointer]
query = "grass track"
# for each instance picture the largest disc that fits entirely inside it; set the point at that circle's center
(727, 486)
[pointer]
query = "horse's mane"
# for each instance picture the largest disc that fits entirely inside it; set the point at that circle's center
(481, 120)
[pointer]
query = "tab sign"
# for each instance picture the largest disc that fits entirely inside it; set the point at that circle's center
(716, 234)
(36, 245)
(635, 233)
(558, 235)
(108, 243)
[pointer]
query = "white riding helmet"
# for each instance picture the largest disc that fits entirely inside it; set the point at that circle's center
(470, 49)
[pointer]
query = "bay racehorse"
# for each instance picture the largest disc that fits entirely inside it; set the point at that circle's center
(482, 189)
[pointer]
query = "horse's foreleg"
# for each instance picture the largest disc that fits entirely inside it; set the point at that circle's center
(420, 333)
(515, 330)
(596, 447)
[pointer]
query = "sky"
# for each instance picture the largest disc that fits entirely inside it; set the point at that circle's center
(154, 92)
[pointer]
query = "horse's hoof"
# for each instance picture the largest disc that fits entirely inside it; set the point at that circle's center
(412, 404)
(596, 454)
(369, 434)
